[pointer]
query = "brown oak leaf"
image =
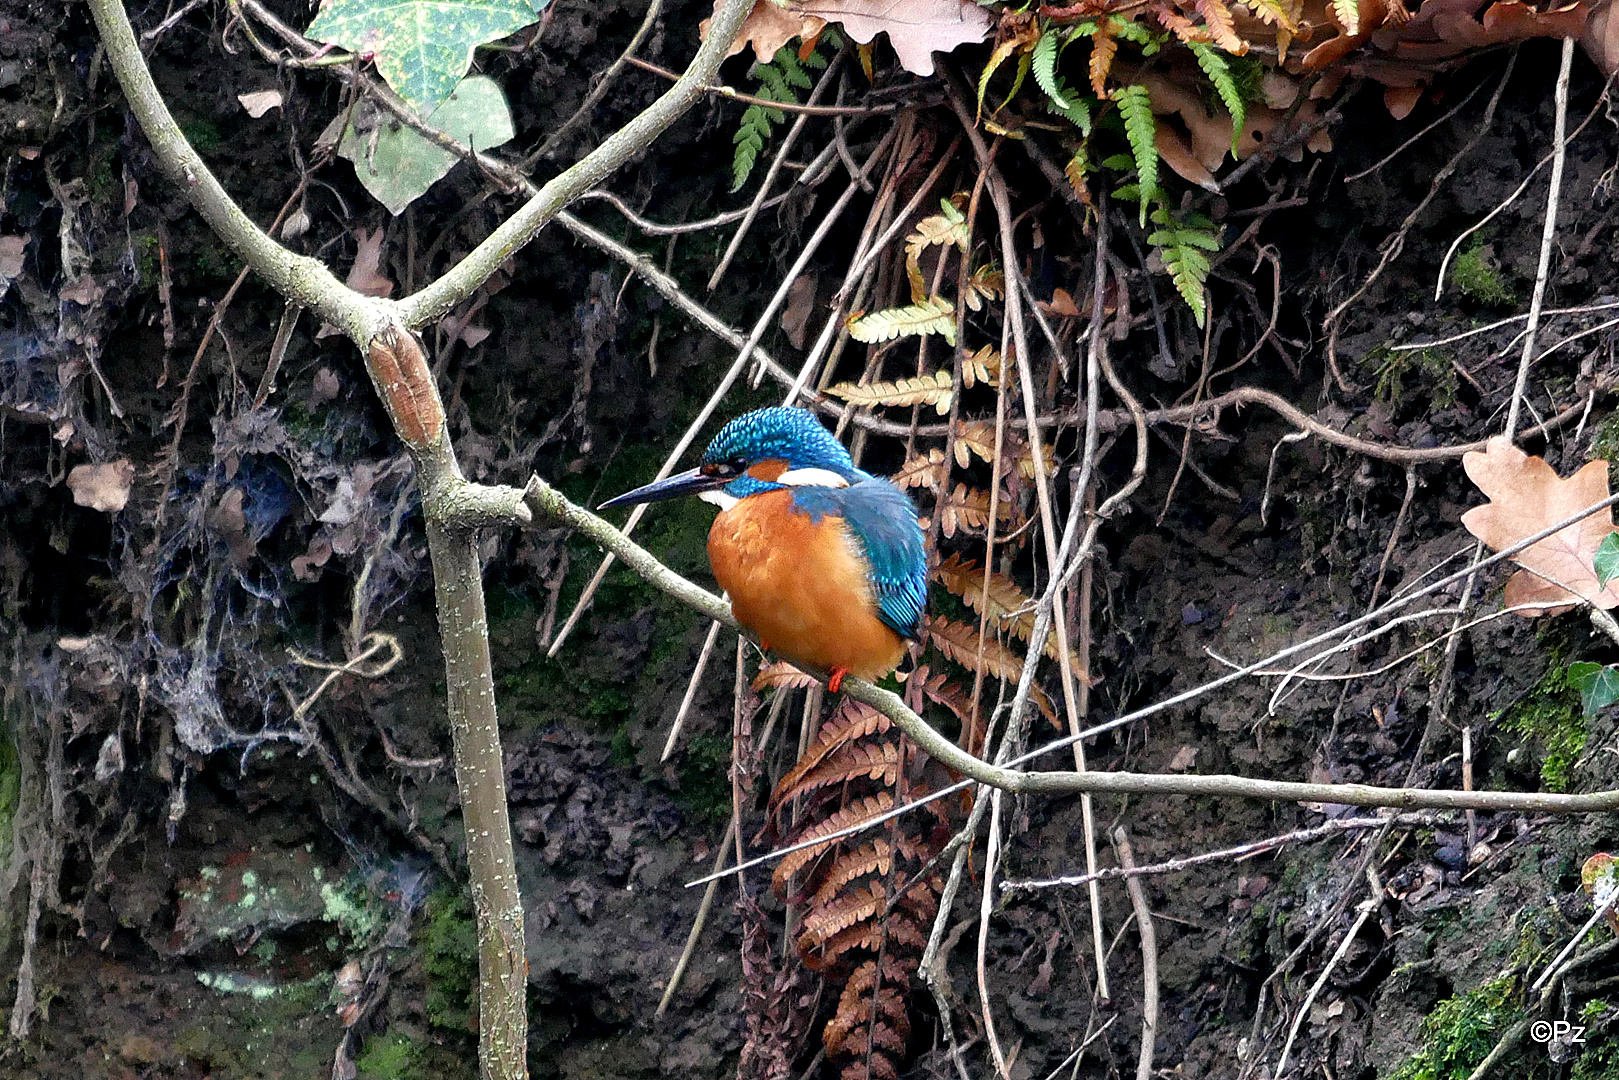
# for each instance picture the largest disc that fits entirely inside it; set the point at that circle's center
(1526, 495)
(916, 28)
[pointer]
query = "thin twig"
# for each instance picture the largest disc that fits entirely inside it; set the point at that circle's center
(1149, 955)
(603, 81)
(1548, 232)
(1238, 853)
(1391, 247)
(784, 106)
(1367, 906)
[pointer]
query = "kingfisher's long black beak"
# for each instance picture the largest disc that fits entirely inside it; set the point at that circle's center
(690, 482)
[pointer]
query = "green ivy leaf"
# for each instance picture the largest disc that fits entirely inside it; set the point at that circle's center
(1606, 562)
(1598, 685)
(396, 164)
(422, 47)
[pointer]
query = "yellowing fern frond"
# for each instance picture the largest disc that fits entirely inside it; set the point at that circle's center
(1222, 27)
(925, 469)
(1276, 13)
(968, 508)
(983, 366)
(986, 283)
(978, 438)
(935, 389)
(934, 315)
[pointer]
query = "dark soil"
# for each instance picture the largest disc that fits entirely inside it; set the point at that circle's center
(202, 883)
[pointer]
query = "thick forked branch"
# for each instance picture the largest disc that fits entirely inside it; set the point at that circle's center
(454, 509)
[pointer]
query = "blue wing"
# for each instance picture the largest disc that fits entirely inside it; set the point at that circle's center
(883, 519)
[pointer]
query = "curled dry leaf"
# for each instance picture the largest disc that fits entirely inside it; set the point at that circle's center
(768, 27)
(103, 487)
(260, 102)
(1601, 37)
(1526, 495)
(916, 28)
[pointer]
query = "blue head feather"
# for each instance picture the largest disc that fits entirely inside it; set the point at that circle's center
(781, 434)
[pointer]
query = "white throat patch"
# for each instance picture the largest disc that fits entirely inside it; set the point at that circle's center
(812, 478)
(719, 498)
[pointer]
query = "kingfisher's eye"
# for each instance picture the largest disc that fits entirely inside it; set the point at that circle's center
(737, 465)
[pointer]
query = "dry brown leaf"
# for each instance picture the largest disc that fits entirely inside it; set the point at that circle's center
(11, 259)
(1601, 37)
(259, 102)
(1526, 495)
(103, 487)
(1177, 155)
(916, 28)
(767, 28)
(795, 314)
(366, 276)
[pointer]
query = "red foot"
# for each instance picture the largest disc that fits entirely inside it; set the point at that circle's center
(835, 683)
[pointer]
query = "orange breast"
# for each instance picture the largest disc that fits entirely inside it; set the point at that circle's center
(801, 586)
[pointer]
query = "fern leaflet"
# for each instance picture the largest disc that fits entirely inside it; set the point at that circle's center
(1225, 84)
(934, 315)
(780, 80)
(1045, 70)
(1182, 246)
(1141, 129)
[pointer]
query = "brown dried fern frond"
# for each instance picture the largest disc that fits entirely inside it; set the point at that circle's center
(851, 721)
(878, 761)
(847, 909)
(856, 813)
(1009, 606)
(924, 470)
(960, 643)
(870, 936)
(876, 857)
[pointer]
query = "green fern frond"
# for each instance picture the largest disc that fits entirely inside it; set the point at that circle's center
(1075, 108)
(1044, 63)
(780, 80)
(1182, 246)
(1140, 128)
(933, 315)
(1137, 34)
(1214, 65)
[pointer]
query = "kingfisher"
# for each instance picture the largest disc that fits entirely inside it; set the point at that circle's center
(822, 560)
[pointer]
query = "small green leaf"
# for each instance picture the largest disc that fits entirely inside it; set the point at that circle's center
(1598, 685)
(422, 47)
(1606, 562)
